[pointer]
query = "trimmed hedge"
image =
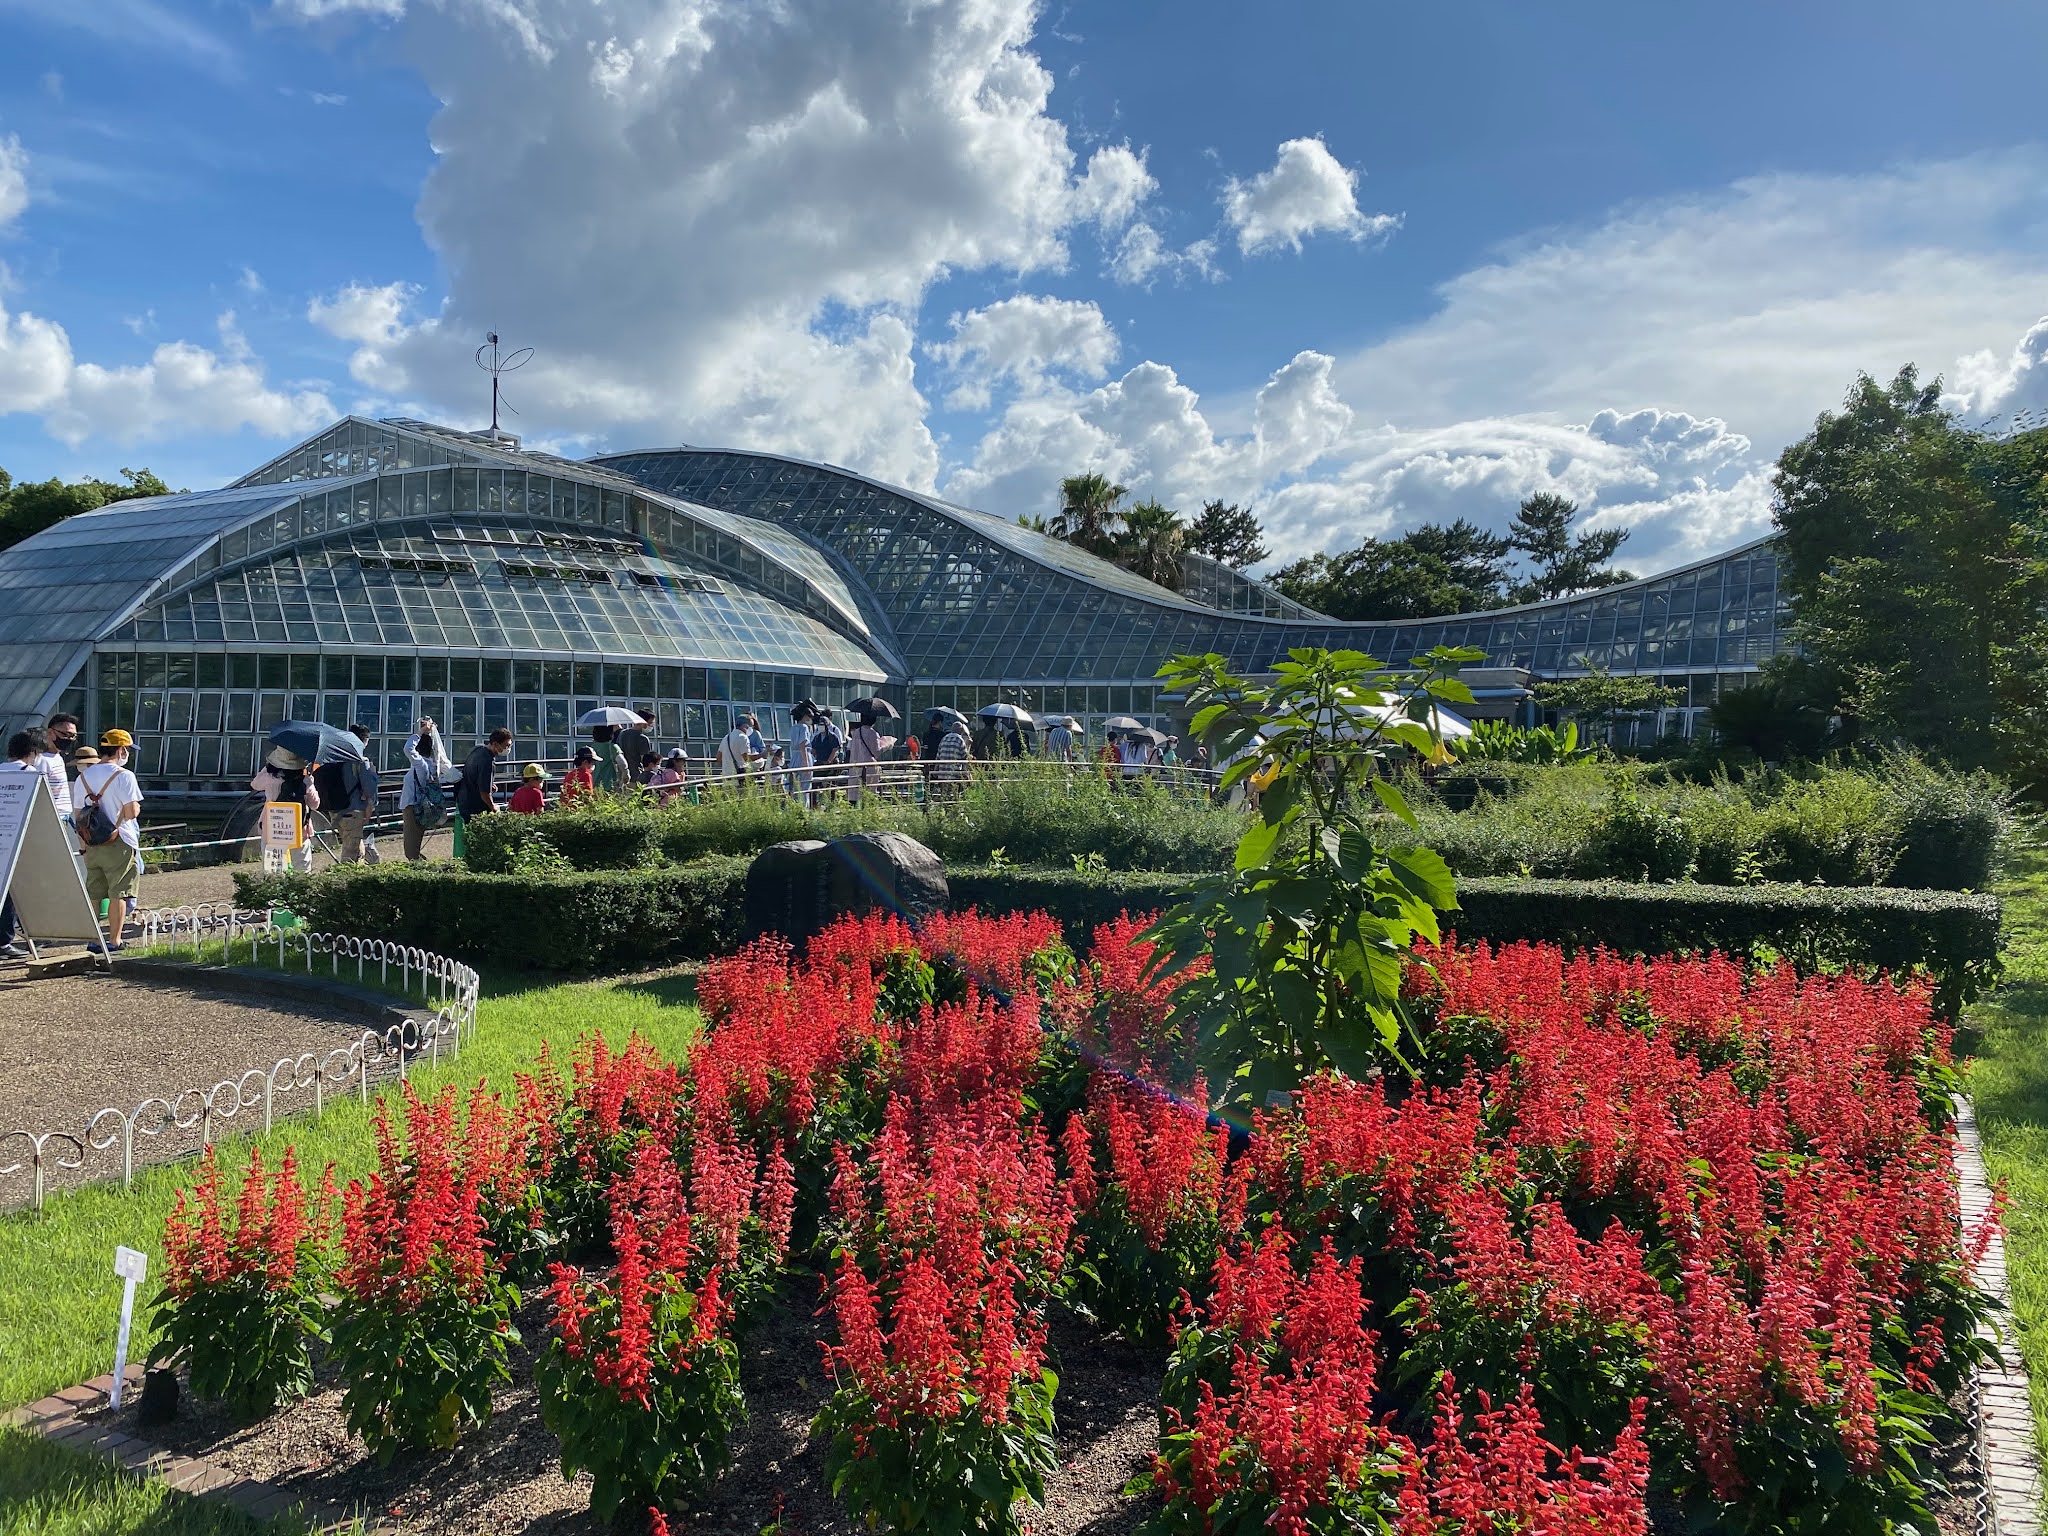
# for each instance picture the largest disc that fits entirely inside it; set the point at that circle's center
(1954, 937)
(594, 920)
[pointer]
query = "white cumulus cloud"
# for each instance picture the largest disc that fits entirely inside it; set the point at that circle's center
(1114, 187)
(2004, 390)
(183, 388)
(1024, 341)
(1307, 192)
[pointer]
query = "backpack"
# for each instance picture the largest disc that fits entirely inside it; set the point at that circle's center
(826, 745)
(430, 797)
(95, 823)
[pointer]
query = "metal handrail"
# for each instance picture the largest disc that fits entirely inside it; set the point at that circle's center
(449, 988)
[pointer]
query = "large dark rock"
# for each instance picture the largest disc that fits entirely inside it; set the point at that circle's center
(795, 889)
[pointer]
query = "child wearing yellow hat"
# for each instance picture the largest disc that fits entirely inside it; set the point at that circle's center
(530, 798)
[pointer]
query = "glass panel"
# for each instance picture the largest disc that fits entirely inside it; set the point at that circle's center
(462, 722)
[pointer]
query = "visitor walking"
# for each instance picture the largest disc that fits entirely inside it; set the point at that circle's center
(737, 755)
(949, 761)
(1059, 741)
(865, 745)
(50, 762)
(799, 754)
(348, 798)
(531, 797)
(579, 784)
(828, 751)
(760, 746)
(665, 777)
(108, 805)
(423, 792)
(612, 774)
(63, 733)
(475, 793)
(1135, 756)
(638, 748)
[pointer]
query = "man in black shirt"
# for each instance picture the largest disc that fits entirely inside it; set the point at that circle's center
(634, 742)
(473, 789)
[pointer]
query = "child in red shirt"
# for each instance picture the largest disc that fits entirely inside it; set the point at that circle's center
(530, 798)
(578, 785)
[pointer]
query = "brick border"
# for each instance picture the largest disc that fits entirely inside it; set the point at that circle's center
(69, 1418)
(2005, 1418)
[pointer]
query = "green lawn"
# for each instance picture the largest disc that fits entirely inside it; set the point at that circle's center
(59, 1300)
(2009, 1083)
(46, 1490)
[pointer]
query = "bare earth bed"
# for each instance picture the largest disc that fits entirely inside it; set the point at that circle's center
(80, 1044)
(506, 1477)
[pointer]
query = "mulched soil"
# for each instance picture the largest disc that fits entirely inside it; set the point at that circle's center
(79, 1044)
(506, 1477)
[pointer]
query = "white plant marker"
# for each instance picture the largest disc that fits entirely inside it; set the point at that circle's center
(132, 1265)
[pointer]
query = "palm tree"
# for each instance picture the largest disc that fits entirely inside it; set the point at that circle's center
(1151, 544)
(1088, 513)
(1033, 521)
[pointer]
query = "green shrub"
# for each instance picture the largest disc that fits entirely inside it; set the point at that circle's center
(586, 920)
(1955, 937)
(1040, 813)
(1635, 839)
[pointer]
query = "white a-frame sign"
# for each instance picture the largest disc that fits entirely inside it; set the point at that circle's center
(40, 873)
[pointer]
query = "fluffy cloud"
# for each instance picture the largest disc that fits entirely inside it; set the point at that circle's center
(1307, 192)
(2008, 390)
(374, 319)
(1023, 341)
(183, 388)
(1756, 304)
(13, 180)
(717, 223)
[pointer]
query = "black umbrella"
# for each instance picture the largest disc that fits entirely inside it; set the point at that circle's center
(315, 742)
(875, 708)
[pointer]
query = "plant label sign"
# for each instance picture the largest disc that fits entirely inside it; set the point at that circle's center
(284, 826)
(131, 1267)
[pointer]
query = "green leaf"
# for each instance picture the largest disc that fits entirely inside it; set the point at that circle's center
(1423, 871)
(1393, 800)
(1255, 848)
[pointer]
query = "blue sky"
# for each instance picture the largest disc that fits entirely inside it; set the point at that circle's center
(1357, 264)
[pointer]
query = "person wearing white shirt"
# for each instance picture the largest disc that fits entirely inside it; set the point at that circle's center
(736, 755)
(113, 869)
(799, 758)
(1059, 742)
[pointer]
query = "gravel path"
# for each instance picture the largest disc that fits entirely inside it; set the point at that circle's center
(77, 1044)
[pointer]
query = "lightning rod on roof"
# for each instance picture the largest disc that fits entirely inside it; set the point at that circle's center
(496, 364)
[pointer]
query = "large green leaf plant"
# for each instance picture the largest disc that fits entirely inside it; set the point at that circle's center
(1307, 937)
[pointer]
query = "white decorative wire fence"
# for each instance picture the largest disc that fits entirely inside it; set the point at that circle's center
(444, 990)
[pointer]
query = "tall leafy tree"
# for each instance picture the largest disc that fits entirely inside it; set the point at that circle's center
(1561, 562)
(1089, 513)
(1435, 569)
(31, 506)
(1600, 698)
(1227, 532)
(1913, 551)
(1150, 543)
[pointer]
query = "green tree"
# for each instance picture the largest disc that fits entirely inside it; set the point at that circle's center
(1088, 514)
(1776, 717)
(1150, 544)
(1600, 698)
(1308, 937)
(28, 507)
(1431, 570)
(1560, 562)
(1912, 549)
(1227, 532)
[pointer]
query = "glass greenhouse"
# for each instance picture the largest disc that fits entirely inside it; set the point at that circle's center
(385, 570)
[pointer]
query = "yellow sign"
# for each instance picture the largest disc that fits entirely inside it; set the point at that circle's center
(284, 826)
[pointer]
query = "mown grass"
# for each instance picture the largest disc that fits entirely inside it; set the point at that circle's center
(46, 1490)
(59, 1300)
(2008, 1083)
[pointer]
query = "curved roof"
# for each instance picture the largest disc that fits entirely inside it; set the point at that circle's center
(975, 596)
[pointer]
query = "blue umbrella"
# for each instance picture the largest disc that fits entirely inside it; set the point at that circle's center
(315, 742)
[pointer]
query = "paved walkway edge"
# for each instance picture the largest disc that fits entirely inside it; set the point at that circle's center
(71, 1417)
(2005, 1418)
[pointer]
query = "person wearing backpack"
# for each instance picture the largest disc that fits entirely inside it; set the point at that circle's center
(105, 813)
(423, 793)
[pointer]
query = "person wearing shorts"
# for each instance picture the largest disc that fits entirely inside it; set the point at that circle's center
(113, 869)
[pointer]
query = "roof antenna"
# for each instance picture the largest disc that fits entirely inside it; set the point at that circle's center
(496, 364)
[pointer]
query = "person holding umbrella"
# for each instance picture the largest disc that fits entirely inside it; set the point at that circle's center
(801, 715)
(865, 744)
(611, 772)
